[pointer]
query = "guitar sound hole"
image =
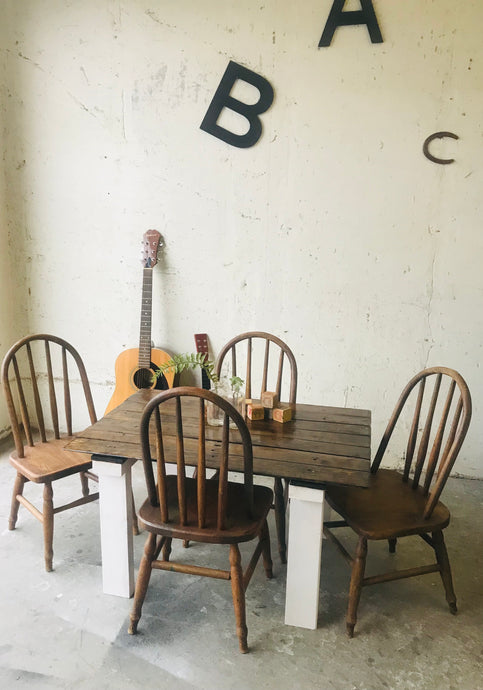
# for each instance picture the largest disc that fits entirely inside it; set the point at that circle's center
(143, 378)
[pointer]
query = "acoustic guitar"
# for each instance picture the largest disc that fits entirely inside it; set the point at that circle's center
(134, 368)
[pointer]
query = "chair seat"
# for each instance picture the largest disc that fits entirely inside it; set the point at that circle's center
(388, 508)
(46, 462)
(240, 526)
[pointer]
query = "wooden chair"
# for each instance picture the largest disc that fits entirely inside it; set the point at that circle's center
(36, 381)
(272, 353)
(198, 509)
(407, 504)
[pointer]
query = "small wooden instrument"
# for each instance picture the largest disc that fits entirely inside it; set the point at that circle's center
(134, 368)
(201, 341)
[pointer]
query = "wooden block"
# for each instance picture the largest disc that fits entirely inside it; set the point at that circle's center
(269, 399)
(255, 412)
(282, 413)
(245, 403)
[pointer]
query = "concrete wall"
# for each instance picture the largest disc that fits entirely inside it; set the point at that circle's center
(12, 304)
(333, 231)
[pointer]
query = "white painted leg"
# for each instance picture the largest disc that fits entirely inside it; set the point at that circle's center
(304, 553)
(115, 508)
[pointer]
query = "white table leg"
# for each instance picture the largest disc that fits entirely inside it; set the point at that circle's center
(304, 553)
(115, 509)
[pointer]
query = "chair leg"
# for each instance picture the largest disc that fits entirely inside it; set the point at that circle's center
(84, 483)
(280, 518)
(238, 593)
(167, 549)
(392, 545)
(355, 588)
(48, 523)
(266, 553)
(17, 491)
(135, 524)
(445, 569)
(142, 582)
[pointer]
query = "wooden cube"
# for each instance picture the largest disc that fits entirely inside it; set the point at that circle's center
(245, 403)
(255, 412)
(269, 399)
(282, 413)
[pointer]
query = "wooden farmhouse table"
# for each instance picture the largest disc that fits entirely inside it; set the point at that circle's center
(321, 445)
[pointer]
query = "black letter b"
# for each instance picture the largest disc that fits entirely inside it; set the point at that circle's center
(222, 99)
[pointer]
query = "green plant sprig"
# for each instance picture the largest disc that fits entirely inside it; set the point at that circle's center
(236, 383)
(179, 363)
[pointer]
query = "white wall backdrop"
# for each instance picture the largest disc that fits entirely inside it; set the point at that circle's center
(333, 231)
(12, 309)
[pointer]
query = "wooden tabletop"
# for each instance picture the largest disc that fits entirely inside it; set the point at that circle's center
(322, 444)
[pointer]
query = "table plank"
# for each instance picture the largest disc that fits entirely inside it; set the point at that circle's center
(322, 444)
(310, 441)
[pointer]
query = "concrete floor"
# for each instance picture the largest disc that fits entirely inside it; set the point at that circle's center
(57, 630)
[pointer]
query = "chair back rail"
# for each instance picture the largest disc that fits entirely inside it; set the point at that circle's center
(29, 360)
(272, 343)
(438, 428)
(154, 445)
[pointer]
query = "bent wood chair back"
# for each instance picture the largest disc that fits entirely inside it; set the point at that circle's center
(37, 374)
(259, 359)
(194, 445)
(441, 414)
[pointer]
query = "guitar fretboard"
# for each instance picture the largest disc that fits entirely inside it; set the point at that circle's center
(145, 330)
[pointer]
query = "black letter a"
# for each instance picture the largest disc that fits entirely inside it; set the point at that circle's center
(337, 17)
(222, 99)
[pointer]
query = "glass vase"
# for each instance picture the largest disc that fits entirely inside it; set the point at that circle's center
(214, 414)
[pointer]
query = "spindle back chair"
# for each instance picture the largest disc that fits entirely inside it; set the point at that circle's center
(37, 375)
(215, 511)
(406, 503)
(265, 363)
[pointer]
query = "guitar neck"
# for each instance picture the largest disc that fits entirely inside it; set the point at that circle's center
(145, 329)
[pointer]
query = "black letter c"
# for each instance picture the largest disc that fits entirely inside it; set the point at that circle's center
(438, 135)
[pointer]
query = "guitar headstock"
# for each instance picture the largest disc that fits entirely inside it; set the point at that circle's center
(152, 240)
(201, 340)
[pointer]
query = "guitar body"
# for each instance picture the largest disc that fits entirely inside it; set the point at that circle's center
(130, 377)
